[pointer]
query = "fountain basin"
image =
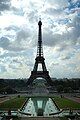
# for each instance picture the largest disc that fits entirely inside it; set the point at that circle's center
(40, 106)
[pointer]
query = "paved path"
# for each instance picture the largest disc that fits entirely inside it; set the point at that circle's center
(74, 99)
(5, 99)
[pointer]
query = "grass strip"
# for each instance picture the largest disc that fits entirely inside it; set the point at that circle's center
(13, 104)
(64, 103)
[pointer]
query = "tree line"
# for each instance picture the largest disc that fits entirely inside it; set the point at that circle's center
(65, 85)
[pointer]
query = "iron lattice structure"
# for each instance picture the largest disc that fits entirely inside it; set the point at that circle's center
(39, 60)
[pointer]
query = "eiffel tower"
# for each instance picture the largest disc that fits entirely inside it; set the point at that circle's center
(39, 60)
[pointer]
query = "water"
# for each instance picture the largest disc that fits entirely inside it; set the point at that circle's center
(34, 104)
(39, 103)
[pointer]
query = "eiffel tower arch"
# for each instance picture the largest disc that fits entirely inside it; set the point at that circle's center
(39, 60)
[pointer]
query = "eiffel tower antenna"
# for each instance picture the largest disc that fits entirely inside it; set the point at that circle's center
(39, 47)
(39, 60)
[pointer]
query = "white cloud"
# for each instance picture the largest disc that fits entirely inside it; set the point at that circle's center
(18, 37)
(11, 20)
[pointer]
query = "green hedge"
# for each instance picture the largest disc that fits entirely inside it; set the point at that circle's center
(63, 118)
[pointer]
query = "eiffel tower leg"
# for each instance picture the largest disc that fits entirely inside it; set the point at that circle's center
(35, 66)
(49, 81)
(44, 66)
(31, 79)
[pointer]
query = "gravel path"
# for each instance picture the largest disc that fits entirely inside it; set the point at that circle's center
(5, 99)
(74, 99)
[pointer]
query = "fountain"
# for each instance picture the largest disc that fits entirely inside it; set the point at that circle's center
(40, 106)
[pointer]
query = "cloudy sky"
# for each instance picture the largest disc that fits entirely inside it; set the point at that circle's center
(18, 37)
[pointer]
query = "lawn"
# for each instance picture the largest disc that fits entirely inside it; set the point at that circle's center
(13, 104)
(66, 103)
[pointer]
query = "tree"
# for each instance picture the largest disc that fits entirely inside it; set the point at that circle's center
(59, 88)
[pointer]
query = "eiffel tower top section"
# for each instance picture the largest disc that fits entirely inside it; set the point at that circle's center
(39, 48)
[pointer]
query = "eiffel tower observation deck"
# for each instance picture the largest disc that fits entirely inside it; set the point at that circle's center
(39, 60)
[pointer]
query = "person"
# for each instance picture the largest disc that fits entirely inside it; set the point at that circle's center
(9, 112)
